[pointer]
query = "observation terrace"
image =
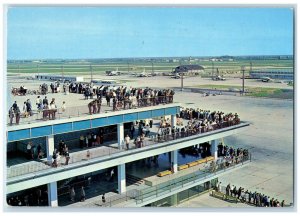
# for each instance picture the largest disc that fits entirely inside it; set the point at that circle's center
(36, 173)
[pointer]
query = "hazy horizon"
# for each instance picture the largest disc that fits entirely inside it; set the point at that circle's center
(152, 57)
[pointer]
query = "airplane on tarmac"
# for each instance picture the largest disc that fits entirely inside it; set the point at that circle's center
(265, 79)
(113, 73)
(142, 74)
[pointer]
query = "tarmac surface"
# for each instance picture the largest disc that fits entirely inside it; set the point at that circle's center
(269, 138)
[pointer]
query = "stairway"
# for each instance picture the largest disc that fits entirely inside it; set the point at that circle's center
(130, 179)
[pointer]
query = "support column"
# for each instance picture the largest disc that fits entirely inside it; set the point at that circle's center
(121, 178)
(49, 148)
(52, 194)
(174, 200)
(173, 120)
(174, 160)
(120, 136)
(214, 148)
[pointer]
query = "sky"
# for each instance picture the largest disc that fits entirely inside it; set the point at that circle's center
(122, 32)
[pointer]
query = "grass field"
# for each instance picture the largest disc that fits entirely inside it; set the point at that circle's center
(225, 67)
(255, 91)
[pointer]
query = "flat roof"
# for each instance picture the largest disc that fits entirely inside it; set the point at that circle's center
(66, 125)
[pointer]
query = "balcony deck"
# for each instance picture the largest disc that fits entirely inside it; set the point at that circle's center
(82, 111)
(70, 123)
(101, 158)
(137, 196)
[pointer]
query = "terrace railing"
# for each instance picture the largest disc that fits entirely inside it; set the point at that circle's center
(37, 115)
(103, 150)
(177, 183)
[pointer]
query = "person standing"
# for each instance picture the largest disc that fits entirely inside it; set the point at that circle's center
(94, 106)
(67, 155)
(219, 186)
(28, 148)
(99, 105)
(132, 129)
(54, 157)
(86, 141)
(39, 103)
(114, 104)
(72, 194)
(103, 198)
(82, 194)
(63, 106)
(107, 99)
(11, 115)
(53, 109)
(81, 141)
(227, 189)
(112, 172)
(90, 105)
(39, 151)
(127, 140)
(45, 100)
(14, 106)
(18, 115)
(28, 107)
(25, 114)
(151, 123)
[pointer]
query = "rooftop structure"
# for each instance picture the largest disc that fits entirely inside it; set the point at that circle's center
(285, 74)
(189, 69)
(59, 78)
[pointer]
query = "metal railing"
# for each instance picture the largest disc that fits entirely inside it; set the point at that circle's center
(100, 151)
(118, 199)
(177, 183)
(37, 115)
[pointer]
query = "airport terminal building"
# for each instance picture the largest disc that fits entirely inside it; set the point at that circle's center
(285, 74)
(111, 172)
(192, 69)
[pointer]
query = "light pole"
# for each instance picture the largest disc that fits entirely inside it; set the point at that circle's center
(152, 66)
(38, 70)
(243, 70)
(212, 69)
(181, 81)
(91, 70)
(62, 71)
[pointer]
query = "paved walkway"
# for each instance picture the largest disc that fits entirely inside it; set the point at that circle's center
(207, 201)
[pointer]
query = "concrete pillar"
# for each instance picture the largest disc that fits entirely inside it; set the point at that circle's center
(121, 136)
(214, 148)
(121, 178)
(174, 200)
(174, 160)
(52, 194)
(49, 147)
(173, 120)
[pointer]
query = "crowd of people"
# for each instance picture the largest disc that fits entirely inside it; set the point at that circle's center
(48, 109)
(253, 198)
(62, 151)
(19, 91)
(43, 89)
(125, 98)
(230, 153)
(33, 197)
(120, 97)
(204, 120)
(22, 90)
(34, 151)
(55, 87)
